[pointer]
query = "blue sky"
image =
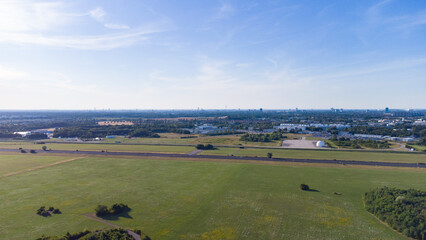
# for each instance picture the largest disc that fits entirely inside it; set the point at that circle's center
(155, 54)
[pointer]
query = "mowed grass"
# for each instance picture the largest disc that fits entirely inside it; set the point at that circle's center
(99, 147)
(14, 163)
(200, 200)
(256, 152)
(173, 138)
(323, 154)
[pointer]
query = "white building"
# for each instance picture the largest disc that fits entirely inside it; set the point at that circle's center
(210, 129)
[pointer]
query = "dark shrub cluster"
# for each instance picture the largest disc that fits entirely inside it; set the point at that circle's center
(403, 210)
(304, 187)
(117, 208)
(359, 143)
(42, 211)
(112, 234)
(204, 147)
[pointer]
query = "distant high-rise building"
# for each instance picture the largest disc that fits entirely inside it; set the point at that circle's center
(386, 110)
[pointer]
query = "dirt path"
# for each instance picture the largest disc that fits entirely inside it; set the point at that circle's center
(235, 152)
(401, 147)
(93, 217)
(195, 152)
(40, 167)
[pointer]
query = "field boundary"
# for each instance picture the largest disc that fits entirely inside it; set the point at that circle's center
(39, 167)
(233, 146)
(297, 160)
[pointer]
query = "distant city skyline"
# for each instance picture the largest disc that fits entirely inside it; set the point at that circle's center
(87, 54)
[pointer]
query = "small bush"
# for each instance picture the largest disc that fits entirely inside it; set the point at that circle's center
(204, 147)
(56, 211)
(116, 208)
(304, 187)
(23, 151)
(269, 155)
(101, 210)
(44, 148)
(33, 151)
(43, 212)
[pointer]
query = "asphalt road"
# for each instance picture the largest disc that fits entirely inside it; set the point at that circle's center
(170, 155)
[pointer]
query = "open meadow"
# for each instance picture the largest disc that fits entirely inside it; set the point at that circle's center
(173, 199)
(355, 155)
(98, 147)
(322, 154)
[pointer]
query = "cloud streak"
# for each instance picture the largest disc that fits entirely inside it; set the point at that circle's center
(27, 23)
(99, 42)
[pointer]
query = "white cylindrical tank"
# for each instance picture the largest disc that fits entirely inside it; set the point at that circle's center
(320, 144)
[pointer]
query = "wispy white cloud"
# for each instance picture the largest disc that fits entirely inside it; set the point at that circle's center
(99, 42)
(24, 22)
(14, 79)
(226, 10)
(116, 26)
(18, 16)
(98, 14)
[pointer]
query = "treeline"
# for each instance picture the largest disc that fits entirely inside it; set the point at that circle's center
(396, 131)
(10, 135)
(422, 141)
(268, 137)
(403, 210)
(359, 143)
(144, 130)
(34, 136)
(111, 234)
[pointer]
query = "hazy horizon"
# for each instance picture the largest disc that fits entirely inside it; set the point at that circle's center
(223, 54)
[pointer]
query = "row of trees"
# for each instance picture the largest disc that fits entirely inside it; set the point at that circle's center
(422, 141)
(204, 147)
(34, 136)
(395, 131)
(142, 130)
(111, 234)
(359, 143)
(403, 210)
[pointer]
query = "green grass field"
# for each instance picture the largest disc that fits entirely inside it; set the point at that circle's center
(172, 138)
(419, 148)
(14, 163)
(99, 147)
(323, 154)
(199, 200)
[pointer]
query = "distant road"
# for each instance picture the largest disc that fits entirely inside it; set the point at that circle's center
(173, 155)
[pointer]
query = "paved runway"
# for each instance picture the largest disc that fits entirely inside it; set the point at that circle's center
(169, 155)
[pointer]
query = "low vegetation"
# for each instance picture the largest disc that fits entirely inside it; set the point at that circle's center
(42, 211)
(359, 143)
(204, 147)
(145, 129)
(304, 187)
(403, 210)
(117, 208)
(111, 234)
